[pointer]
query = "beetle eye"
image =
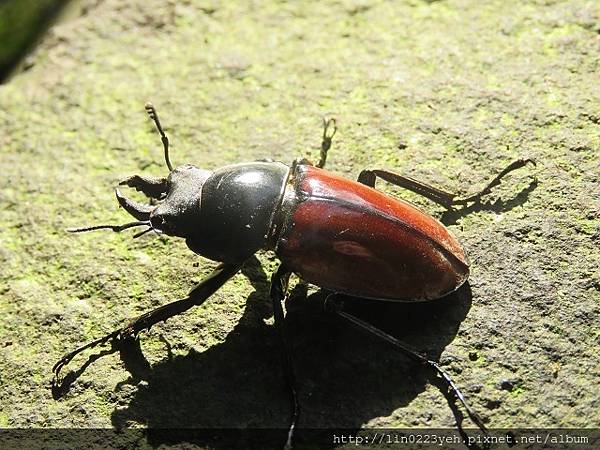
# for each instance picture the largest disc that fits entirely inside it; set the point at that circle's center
(157, 221)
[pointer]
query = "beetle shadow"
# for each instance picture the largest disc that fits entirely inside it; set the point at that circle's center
(345, 378)
(451, 216)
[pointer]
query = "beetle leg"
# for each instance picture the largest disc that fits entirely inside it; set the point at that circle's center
(123, 336)
(495, 181)
(443, 198)
(279, 284)
(439, 196)
(336, 308)
(329, 130)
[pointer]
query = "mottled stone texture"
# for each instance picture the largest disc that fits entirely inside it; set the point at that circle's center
(448, 92)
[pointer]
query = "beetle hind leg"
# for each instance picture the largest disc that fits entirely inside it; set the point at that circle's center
(335, 307)
(434, 194)
(494, 182)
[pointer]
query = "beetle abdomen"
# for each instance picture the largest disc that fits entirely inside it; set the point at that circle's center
(347, 237)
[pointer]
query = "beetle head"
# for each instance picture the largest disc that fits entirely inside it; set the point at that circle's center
(176, 198)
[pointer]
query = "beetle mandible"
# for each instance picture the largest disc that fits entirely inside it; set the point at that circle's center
(341, 235)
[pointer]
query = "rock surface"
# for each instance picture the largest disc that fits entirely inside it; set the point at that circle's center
(448, 92)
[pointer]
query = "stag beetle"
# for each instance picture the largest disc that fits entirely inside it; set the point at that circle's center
(341, 235)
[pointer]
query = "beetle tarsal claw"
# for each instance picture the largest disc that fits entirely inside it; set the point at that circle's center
(329, 124)
(151, 187)
(114, 336)
(137, 210)
(329, 130)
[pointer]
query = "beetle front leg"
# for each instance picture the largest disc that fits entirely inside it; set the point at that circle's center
(122, 337)
(279, 285)
(439, 196)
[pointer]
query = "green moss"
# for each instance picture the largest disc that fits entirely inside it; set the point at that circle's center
(4, 420)
(518, 391)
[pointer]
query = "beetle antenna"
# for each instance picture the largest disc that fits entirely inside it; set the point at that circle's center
(141, 233)
(163, 137)
(115, 228)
